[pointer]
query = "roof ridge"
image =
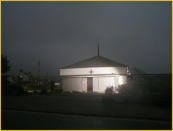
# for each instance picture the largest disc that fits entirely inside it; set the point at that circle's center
(95, 61)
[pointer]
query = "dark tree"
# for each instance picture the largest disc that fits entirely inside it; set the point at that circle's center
(5, 64)
(4, 69)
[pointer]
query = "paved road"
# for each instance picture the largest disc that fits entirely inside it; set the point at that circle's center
(34, 120)
(86, 105)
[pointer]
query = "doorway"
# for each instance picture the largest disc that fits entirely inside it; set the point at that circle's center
(89, 85)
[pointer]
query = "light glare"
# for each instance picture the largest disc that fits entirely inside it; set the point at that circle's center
(120, 80)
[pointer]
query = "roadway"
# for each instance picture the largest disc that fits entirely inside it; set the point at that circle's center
(13, 119)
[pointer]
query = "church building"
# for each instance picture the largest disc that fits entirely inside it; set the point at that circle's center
(96, 74)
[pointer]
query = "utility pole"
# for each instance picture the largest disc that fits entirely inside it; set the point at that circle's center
(38, 73)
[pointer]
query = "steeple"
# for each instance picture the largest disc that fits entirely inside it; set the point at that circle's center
(98, 50)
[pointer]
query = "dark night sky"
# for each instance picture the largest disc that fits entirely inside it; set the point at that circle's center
(60, 33)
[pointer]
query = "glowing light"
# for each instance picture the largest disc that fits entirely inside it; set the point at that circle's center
(120, 80)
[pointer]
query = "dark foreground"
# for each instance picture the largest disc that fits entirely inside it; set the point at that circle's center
(36, 120)
(81, 112)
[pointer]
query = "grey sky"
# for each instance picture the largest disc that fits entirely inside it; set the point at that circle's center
(60, 33)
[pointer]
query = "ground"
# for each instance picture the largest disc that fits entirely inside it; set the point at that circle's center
(76, 111)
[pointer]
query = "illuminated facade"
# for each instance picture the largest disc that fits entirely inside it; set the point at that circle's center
(96, 74)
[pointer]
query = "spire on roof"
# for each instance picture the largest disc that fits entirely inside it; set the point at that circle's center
(98, 53)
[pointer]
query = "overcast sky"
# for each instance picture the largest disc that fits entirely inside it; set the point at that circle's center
(60, 33)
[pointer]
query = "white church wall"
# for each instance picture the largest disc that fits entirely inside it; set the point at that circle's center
(96, 84)
(122, 80)
(93, 71)
(73, 84)
(100, 84)
(78, 84)
(84, 85)
(116, 81)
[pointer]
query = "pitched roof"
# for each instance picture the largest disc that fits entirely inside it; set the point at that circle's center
(96, 61)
